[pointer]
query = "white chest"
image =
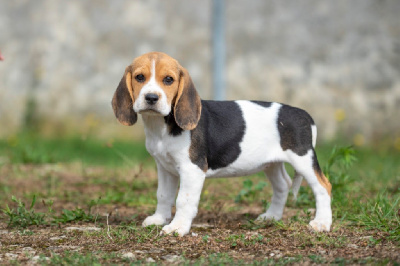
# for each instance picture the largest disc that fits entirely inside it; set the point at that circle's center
(167, 150)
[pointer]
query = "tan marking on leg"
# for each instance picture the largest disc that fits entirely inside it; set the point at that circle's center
(324, 181)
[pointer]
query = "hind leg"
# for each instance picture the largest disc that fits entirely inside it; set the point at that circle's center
(308, 167)
(281, 184)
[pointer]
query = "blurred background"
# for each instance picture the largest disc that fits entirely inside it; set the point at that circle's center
(339, 60)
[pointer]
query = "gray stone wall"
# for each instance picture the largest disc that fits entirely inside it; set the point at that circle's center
(339, 60)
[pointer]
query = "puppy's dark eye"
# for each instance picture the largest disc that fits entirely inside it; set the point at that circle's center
(168, 80)
(140, 78)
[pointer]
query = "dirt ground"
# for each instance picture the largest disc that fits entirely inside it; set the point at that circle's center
(222, 233)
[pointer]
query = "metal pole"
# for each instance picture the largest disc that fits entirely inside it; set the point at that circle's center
(218, 49)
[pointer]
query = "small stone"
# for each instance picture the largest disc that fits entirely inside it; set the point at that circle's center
(150, 260)
(83, 229)
(38, 258)
(140, 252)
(66, 247)
(277, 254)
(155, 251)
(171, 258)
(11, 255)
(272, 254)
(29, 251)
(57, 238)
(128, 255)
(202, 226)
(322, 252)
(194, 234)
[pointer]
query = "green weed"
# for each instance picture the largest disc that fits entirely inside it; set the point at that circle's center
(218, 259)
(78, 214)
(336, 168)
(21, 216)
(250, 190)
(135, 233)
(71, 258)
(244, 240)
(380, 213)
(317, 259)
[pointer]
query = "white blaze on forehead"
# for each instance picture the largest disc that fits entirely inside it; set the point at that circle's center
(153, 71)
(152, 82)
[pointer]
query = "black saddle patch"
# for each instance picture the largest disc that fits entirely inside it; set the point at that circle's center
(263, 104)
(294, 127)
(215, 142)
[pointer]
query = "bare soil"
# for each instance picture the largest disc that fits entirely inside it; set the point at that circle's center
(221, 226)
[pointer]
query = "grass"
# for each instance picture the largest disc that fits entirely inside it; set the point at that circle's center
(33, 149)
(74, 181)
(380, 213)
(22, 217)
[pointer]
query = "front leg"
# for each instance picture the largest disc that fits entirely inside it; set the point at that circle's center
(166, 192)
(191, 184)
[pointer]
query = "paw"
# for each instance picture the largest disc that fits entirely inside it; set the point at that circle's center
(268, 217)
(176, 227)
(320, 225)
(155, 219)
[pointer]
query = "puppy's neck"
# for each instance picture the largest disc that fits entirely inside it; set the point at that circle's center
(159, 126)
(154, 125)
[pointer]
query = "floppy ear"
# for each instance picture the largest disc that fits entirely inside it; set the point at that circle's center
(122, 101)
(187, 108)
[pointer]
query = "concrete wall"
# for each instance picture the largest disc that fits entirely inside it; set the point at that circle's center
(339, 60)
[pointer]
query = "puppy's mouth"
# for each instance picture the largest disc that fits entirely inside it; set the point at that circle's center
(149, 111)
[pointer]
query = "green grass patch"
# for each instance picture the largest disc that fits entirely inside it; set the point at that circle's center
(34, 149)
(380, 213)
(23, 217)
(70, 258)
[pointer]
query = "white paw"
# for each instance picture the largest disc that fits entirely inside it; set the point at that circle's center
(320, 225)
(176, 227)
(155, 219)
(268, 217)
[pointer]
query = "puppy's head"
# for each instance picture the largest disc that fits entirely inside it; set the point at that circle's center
(156, 84)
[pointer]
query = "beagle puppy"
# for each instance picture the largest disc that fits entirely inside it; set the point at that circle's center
(193, 139)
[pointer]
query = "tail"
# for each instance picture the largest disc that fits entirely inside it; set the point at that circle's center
(297, 177)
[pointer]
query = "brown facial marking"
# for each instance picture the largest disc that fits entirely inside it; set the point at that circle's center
(141, 65)
(167, 66)
(164, 66)
(324, 181)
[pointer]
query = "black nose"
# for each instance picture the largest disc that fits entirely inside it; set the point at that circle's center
(151, 98)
